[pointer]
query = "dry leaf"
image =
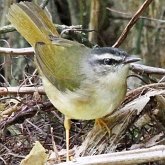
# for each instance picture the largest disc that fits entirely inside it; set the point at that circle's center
(37, 156)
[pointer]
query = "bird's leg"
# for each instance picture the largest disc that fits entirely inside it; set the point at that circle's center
(67, 126)
(102, 123)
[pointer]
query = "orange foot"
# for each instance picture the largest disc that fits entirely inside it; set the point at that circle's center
(102, 123)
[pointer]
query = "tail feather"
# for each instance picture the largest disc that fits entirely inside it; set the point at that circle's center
(32, 22)
(43, 18)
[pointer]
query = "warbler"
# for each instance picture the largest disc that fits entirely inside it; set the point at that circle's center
(82, 83)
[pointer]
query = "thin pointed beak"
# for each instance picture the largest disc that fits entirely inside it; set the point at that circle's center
(128, 60)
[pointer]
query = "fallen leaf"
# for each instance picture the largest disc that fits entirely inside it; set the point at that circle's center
(37, 156)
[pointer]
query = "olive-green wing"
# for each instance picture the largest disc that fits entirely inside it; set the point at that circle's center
(61, 62)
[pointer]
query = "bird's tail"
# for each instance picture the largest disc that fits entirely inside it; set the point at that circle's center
(32, 22)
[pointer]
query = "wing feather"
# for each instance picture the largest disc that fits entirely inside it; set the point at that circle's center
(61, 62)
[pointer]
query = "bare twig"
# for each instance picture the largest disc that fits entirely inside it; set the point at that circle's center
(37, 128)
(21, 90)
(60, 28)
(94, 20)
(24, 113)
(147, 69)
(131, 23)
(6, 29)
(156, 153)
(17, 51)
(131, 95)
(54, 145)
(129, 16)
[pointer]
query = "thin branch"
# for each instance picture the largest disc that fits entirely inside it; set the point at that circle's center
(6, 29)
(129, 16)
(60, 28)
(17, 51)
(24, 113)
(147, 69)
(131, 23)
(21, 90)
(73, 31)
(156, 153)
(135, 93)
(94, 20)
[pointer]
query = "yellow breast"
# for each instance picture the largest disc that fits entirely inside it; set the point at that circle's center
(88, 103)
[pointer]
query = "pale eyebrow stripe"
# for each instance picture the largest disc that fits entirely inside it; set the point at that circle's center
(108, 55)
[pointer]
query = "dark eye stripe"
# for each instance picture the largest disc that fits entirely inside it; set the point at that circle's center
(108, 61)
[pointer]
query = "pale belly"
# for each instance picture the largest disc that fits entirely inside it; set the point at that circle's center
(82, 106)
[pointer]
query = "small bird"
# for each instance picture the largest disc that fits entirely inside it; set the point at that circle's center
(81, 82)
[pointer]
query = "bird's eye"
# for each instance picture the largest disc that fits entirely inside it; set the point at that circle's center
(108, 61)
